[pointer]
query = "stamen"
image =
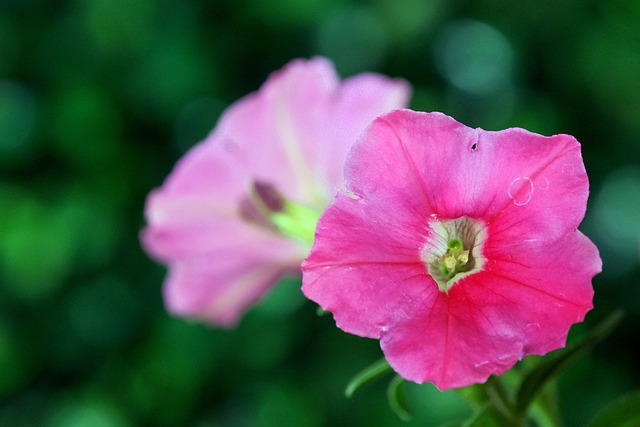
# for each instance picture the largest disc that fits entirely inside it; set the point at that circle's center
(455, 259)
(455, 251)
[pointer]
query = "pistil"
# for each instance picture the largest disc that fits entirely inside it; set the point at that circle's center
(454, 260)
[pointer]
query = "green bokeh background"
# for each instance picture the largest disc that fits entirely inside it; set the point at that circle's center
(99, 98)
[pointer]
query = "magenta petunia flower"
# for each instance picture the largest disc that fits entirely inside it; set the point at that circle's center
(456, 247)
(239, 210)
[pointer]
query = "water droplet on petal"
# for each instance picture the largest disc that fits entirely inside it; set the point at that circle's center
(568, 169)
(521, 190)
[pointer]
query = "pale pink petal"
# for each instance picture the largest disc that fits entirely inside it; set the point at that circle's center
(219, 261)
(303, 122)
(197, 211)
(206, 170)
(220, 292)
(183, 239)
(266, 129)
(359, 100)
(218, 266)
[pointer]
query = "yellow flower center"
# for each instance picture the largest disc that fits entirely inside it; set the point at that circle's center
(454, 250)
(454, 260)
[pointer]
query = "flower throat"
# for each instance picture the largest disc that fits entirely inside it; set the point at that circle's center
(454, 251)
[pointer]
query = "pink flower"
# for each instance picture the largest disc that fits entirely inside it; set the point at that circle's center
(239, 210)
(456, 247)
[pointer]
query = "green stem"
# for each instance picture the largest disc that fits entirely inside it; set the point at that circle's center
(545, 409)
(499, 399)
(368, 375)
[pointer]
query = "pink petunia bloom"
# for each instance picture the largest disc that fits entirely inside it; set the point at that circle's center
(239, 210)
(456, 247)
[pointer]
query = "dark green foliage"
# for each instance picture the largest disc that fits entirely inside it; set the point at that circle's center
(99, 98)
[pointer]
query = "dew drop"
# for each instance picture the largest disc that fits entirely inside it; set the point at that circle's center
(568, 169)
(521, 190)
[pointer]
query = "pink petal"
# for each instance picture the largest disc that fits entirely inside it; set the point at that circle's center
(197, 211)
(360, 99)
(492, 319)
(207, 169)
(267, 130)
(303, 122)
(411, 169)
(452, 170)
(281, 136)
(348, 269)
(220, 292)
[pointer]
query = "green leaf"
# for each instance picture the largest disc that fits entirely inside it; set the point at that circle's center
(368, 375)
(545, 410)
(398, 399)
(487, 417)
(474, 394)
(538, 377)
(622, 412)
(497, 395)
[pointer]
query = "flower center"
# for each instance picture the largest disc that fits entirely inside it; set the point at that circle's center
(455, 260)
(454, 250)
(268, 208)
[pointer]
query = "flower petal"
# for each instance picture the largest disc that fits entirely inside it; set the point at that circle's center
(526, 191)
(360, 99)
(538, 184)
(291, 136)
(303, 122)
(492, 319)
(440, 343)
(268, 129)
(366, 263)
(451, 170)
(220, 292)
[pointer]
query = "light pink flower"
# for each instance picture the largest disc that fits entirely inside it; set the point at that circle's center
(456, 247)
(238, 211)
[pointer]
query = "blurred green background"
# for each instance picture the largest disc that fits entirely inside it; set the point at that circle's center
(99, 98)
